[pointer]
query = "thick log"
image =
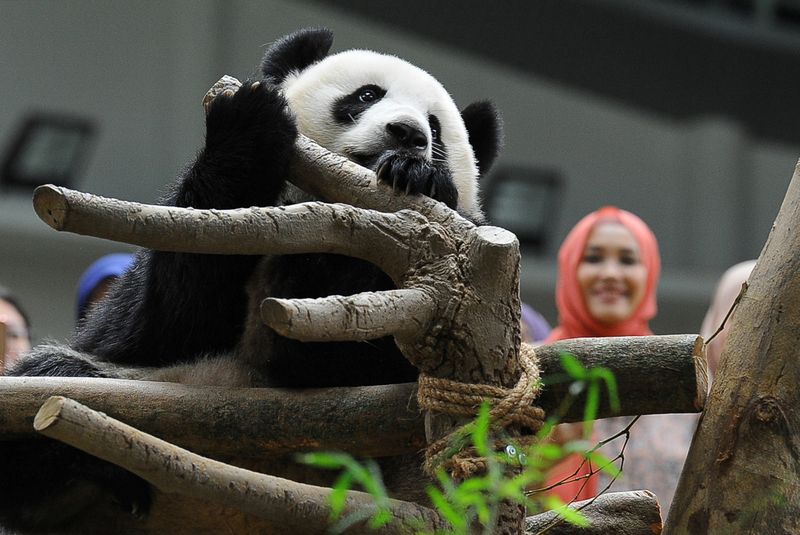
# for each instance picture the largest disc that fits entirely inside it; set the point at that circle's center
(654, 374)
(631, 513)
(371, 421)
(291, 507)
(226, 423)
(742, 473)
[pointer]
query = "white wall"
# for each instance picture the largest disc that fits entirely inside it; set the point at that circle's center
(139, 69)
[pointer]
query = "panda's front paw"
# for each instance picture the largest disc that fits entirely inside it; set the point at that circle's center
(254, 121)
(131, 493)
(414, 175)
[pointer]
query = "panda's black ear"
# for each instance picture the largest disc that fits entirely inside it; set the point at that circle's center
(485, 129)
(295, 52)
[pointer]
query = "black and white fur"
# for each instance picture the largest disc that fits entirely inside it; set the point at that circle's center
(189, 318)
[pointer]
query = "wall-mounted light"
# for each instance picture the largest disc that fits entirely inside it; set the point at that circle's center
(46, 148)
(525, 200)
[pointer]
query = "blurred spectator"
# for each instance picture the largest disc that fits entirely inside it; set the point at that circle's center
(16, 325)
(728, 288)
(97, 278)
(608, 272)
(534, 328)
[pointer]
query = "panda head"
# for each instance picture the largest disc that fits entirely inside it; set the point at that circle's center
(388, 115)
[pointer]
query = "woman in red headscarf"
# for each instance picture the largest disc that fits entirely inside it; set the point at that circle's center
(608, 270)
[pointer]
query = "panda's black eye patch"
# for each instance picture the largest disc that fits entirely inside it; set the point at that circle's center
(347, 108)
(436, 128)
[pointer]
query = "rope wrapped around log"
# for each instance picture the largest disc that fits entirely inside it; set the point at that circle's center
(510, 407)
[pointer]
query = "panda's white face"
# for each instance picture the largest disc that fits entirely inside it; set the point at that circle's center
(363, 104)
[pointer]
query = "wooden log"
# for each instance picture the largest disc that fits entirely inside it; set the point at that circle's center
(291, 507)
(234, 422)
(742, 473)
(654, 374)
(632, 513)
(662, 374)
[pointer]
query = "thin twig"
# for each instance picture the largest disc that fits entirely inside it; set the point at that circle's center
(728, 315)
(574, 477)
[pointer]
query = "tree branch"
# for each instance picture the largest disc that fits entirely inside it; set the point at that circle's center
(377, 237)
(372, 421)
(296, 507)
(632, 513)
(359, 317)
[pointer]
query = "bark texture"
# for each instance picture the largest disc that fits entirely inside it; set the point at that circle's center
(742, 474)
(620, 513)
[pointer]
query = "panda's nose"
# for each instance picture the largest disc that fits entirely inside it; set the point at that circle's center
(408, 136)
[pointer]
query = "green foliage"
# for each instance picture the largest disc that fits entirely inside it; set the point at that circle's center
(365, 475)
(511, 472)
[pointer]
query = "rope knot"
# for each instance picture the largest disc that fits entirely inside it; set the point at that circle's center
(510, 407)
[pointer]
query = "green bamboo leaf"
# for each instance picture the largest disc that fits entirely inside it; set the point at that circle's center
(338, 496)
(591, 407)
(373, 482)
(330, 461)
(604, 464)
(572, 516)
(573, 366)
(611, 385)
(381, 518)
(549, 452)
(480, 432)
(453, 517)
(474, 484)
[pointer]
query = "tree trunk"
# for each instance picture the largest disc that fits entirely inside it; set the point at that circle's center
(741, 474)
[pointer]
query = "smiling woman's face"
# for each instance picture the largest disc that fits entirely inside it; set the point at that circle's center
(611, 274)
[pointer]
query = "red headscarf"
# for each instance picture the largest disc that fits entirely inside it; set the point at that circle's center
(574, 318)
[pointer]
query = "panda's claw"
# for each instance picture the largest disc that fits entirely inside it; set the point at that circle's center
(255, 86)
(382, 171)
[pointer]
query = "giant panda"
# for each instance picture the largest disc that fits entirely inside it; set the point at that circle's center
(193, 318)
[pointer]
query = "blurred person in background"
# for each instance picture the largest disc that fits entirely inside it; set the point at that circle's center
(98, 277)
(608, 271)
(725, 293)
(14, 327)
(533, 327)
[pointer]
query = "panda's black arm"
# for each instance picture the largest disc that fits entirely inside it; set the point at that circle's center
(173, 306)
